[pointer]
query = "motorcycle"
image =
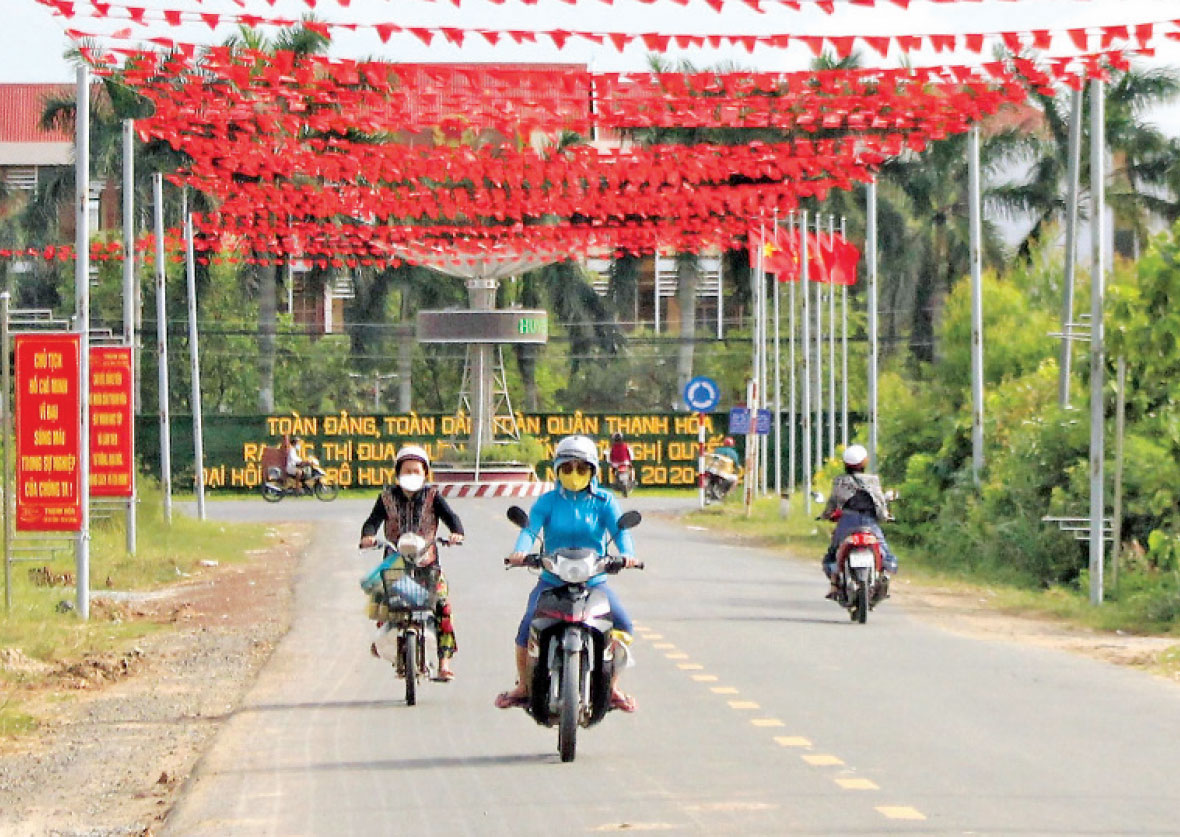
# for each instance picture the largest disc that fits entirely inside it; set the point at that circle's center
(861, 580)
(720, 477)
(624, 478)
(571, 656)
(277, 485)
(405, 596)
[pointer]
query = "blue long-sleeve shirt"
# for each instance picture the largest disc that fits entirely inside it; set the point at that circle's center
(577, 519)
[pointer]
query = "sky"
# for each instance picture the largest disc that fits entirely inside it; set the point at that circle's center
(32, 50)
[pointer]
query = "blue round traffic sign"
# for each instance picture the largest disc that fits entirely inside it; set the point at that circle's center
(702, 394)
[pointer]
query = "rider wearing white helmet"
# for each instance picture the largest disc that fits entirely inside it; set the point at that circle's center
(577, 513)
(856, 501)
(411, 504)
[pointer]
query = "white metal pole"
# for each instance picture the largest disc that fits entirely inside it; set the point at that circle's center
(778, 383)
(844, 348)
(763, 380)
(1097, 334)
(1073, 187)
(82, 309)
(701, 459)
(819, 359)
(162, 350)
(793, 413)
(976, 222)
(129, 307)
(871, 269)
(194, 354)
(9, 439)
(806, 319)
(831, 348)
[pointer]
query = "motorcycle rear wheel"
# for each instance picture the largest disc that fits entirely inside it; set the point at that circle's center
(410, 660)
(862, 603)
(567, 730)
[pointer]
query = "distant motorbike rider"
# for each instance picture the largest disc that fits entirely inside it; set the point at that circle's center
(577, 513)
(620, 452)
(726, 462)
(298, 468)
(856, 502)
(414, 505)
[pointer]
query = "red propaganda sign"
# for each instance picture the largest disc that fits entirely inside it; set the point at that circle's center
(111, 423)
(48, 488)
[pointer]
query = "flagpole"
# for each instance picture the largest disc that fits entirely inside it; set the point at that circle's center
(844, 344)
(831, 344)
(791, 363)
(819, 357)
(778, 381)
(807, 472)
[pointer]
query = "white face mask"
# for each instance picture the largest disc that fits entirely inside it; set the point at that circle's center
(411, 482)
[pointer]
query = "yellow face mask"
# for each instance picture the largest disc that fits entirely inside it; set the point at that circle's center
(574, 476)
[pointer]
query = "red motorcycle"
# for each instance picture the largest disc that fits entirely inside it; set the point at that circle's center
(624, 478)
(861, 582)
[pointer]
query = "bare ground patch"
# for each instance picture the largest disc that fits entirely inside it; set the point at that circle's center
(121, 732)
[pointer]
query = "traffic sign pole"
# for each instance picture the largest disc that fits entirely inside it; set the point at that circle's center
(701, 457)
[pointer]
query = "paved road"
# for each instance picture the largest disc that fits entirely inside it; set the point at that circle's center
(763, 710)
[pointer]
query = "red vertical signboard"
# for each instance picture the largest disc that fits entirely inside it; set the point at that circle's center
(48, 485)
(111, 451)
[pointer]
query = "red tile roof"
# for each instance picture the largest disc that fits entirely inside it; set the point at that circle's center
(20, 112)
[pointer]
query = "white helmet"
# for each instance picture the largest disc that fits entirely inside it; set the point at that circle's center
(855, 455)
(581, 448)
(411, 452)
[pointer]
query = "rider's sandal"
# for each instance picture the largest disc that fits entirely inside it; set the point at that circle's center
(507, 700)
(445, 676)
(623, 702)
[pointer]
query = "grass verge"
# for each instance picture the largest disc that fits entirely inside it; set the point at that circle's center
(42, 632)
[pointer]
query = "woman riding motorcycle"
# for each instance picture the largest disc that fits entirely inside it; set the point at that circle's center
(414, 505)
(856, 502)
(577, 513)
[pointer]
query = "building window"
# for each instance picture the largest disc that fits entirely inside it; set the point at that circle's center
(21, 177)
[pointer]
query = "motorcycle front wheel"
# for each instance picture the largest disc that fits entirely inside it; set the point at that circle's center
(567, 730)
(326, 491)
(410, 661)
(271, 492)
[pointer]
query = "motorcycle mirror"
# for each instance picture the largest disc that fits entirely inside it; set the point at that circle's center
(518, 516)
(630, 519)
(891, 495)
(817, 496)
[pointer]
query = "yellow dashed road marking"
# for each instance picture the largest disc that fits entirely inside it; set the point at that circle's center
(705, 678)
(690, 666)
(900, 812)
(677, 655)
(724, 690)
(662, 646)
(823, 760)
(767, 722)
(653, 636)
(743, 704)
(857, 784)
(792, 741)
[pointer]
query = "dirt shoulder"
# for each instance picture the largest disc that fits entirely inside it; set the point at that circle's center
(122, 732)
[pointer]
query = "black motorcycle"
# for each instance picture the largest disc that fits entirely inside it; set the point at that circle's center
(276, 486)
(570, 653)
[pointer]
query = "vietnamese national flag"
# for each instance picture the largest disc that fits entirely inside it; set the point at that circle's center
(779, 255)
(817, 259)
(841, 258)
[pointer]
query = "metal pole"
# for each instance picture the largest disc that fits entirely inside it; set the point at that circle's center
(82, 310)
(778, 384)
(1071, 245)
(481, 353)
(831, 347)
(763, 381)
(751, 447)
(806, 318)
(844, 348)
(871, 259)
(701, 459)
(1116, 515)
(1097, 349)
(6, 407)
(976, 222)
(162, 351)
(793, 413)
(129, 297)
(754, 476)
(819, 359)
(194, 354)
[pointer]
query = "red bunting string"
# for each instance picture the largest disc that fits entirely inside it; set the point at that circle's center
(1141, 35)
